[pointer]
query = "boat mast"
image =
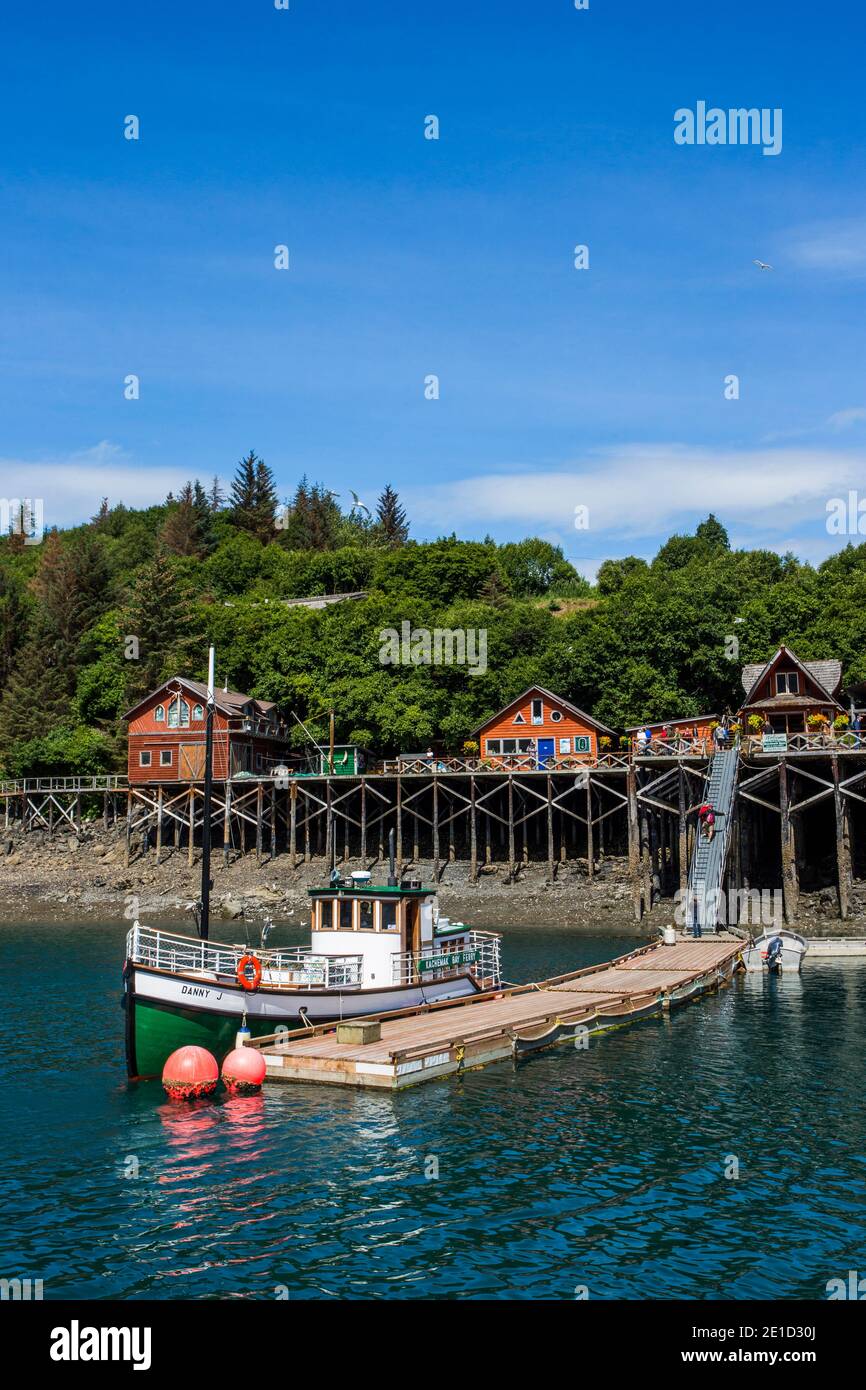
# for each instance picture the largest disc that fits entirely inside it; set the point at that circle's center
(204, 916)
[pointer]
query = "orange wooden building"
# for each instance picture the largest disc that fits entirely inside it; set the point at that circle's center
(166, 740)
(540, 729)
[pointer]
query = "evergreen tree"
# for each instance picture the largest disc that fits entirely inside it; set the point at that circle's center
(187, 529)
(216, 496)
(314, 521)
(37, 695)
(391, 518)
(254, 498)
(160, 613)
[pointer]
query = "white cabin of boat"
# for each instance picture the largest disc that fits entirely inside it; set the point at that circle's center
(397, 930)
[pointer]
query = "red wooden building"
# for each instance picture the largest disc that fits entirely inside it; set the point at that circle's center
(540, 729)
(785, 691)
(167, 735)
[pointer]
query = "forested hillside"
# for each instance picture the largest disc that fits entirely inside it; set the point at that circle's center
(648, 641)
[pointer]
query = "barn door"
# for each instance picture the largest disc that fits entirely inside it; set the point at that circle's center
(192, 761)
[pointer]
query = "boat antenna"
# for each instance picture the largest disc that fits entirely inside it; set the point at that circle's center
(204, 918)
(392, 866)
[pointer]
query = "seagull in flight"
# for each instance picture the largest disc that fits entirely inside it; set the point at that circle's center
(358, 505)
(762, 265)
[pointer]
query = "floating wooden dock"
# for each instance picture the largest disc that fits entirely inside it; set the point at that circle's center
(422, 1044)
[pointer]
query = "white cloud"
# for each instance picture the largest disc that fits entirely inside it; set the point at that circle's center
(643, 490)
(842, 419)
(835, 246)
(72, 485)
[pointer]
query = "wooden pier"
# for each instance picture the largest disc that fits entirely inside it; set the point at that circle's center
(403, 1049)
(798, 819)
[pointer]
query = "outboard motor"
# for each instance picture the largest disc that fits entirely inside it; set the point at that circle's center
(773, 954)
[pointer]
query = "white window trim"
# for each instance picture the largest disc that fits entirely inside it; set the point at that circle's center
(166, 761)
(145, 758)
(536, 718)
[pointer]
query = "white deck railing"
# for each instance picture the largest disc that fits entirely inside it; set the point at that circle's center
(289, 967)
(475, 953)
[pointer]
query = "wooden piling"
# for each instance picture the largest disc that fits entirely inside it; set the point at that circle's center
(551, 860)
(159, 799)
(790, 874)
(633, 843)
(843, 844)
(473, 834)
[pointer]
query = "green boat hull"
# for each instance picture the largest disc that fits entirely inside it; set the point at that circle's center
(154, 1031)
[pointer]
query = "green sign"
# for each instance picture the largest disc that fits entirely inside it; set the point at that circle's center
(444, 962)
(581, 743)
(774, 743)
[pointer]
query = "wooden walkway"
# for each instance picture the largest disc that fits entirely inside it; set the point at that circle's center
(441, 1039)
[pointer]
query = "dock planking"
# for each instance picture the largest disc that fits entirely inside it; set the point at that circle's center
(446, 1038)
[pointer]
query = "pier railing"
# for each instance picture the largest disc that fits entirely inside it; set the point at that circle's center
(107, 782)
(289, 967)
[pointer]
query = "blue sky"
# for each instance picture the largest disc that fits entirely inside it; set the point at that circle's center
(559, 388)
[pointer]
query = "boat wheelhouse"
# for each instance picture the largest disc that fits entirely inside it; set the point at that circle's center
(372, 949)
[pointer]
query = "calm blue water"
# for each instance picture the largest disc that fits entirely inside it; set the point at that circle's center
(603, 1168)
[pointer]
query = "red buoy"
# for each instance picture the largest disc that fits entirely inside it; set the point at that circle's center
(190, 1072)
(244, 1071)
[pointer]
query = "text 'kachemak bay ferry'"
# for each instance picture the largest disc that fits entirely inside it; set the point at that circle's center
(371, 949)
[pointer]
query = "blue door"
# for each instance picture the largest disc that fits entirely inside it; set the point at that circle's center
(545, 749)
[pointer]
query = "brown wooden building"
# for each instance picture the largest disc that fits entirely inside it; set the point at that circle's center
(167, 735)
(784, 691)
(540, 729)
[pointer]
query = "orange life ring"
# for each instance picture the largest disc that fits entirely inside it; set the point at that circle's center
(243, 978)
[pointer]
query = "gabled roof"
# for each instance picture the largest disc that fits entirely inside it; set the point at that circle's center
(827, 675)
(549, 695)
(230, 702)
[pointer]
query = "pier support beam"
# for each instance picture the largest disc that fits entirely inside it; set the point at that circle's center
(790, 874)
(843, 845)
(633, 842)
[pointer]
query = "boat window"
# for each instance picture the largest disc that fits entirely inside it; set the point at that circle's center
(365, 915)
(346, 906)
(389, 917)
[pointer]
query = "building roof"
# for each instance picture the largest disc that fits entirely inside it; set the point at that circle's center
(230, 702)
(557, 700)
(681, 719)
(826, 674)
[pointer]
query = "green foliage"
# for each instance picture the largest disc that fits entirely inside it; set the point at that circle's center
(651, 644)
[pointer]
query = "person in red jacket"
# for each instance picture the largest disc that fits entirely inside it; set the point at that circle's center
(707, 819)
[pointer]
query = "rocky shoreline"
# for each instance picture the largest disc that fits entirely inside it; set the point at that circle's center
(70, 878)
